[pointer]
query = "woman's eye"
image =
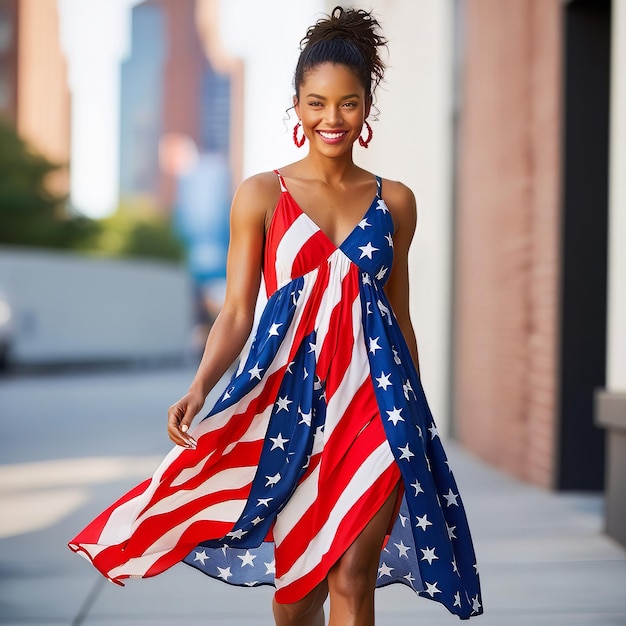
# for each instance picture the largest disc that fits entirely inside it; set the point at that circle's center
(350, 105)
(315, 104)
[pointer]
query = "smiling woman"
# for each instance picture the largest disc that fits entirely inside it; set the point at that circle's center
(320, 462)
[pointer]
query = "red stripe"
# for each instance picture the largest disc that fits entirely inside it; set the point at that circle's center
(283, 217)
(317, 247)
(359, 516)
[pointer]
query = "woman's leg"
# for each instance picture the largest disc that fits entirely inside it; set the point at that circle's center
(306, 612)
(352, 580)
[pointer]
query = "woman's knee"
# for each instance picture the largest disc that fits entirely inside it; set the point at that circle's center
(353, 578)
(305, 609)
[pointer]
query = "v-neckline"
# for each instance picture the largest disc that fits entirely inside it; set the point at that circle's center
(321, 230)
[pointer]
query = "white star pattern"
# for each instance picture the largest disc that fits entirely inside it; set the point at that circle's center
(236, 534)
(381, 273)
(264, 501)
(389, 238)
(410, 578)
(455, 569)
(247, 558)
(289, 367)
(368, 250)
(278, 442)
(475, 603)
(364, 223)
(396, 358)
(406, 453)
(451, 530)
(418, 488)
(255, 372)
(384, 570)
(403, 520)
(368, 308)
(374, 345)
(257, 520)
(429, 555)
(270, 568)
(272, 480)
(402, 549)
(305, 418)
(423, 522)
(224, 573)
(384, 382)
(457, 599)
(274, 330)
(451, 498)
(283, 404)
(433, 431)
(431, 589)
(382, 206)
(366, 279)
(201, 556)
(395, 417)
(406, 387)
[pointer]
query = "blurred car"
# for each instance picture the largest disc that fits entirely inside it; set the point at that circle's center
(6, 331)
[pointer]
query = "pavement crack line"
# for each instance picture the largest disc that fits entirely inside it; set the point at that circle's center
(90, 600)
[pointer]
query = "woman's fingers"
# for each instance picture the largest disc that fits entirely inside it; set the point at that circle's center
(178, 421)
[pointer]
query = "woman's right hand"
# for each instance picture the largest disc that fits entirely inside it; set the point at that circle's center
(179, 418)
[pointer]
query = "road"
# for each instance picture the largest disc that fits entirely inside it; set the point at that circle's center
(71, 443)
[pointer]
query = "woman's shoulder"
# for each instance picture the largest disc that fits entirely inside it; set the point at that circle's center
(260, 185)
(259, 193)
(400, 200)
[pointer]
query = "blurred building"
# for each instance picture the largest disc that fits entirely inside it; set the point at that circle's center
(531, 236)
(174, 103)
(34, 93)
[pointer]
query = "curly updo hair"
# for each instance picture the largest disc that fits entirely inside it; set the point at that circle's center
(349, 37)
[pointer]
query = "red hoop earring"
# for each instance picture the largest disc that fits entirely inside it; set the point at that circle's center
(370, 133)
(298, 142)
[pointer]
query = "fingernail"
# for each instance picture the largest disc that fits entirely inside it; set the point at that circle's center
(184, 428)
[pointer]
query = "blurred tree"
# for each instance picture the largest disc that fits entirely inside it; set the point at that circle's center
(29, 213)
(133, 231)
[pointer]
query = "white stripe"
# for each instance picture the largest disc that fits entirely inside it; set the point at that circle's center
(353, 378)
(339, 268)
(227, 479)
(295, 237)
(224, 511)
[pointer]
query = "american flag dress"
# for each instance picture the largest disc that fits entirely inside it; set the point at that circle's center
(323, 418)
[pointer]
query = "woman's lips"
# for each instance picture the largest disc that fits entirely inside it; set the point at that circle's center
(333, 136)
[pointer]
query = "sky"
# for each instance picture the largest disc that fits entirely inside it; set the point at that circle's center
(95, 37)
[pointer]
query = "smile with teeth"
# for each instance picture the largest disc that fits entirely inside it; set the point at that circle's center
(332, 134)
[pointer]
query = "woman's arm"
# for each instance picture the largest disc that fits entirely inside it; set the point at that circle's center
(401, 203)
(252, 203)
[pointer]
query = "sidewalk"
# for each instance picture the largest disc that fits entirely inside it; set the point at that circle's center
(542, 557)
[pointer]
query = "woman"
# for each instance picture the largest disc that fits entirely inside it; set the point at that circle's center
(319, 469)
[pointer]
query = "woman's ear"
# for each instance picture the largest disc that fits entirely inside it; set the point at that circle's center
(368, 106)
(296, 105)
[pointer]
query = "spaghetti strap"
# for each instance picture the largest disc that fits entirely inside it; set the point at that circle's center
(281, 180)
(379, 187)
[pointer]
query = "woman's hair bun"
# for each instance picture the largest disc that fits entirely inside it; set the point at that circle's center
(348, 37)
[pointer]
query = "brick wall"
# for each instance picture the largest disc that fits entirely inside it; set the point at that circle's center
(507, 235)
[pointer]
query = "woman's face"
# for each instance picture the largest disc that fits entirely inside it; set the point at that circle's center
(332, 108)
